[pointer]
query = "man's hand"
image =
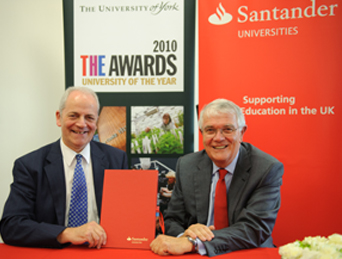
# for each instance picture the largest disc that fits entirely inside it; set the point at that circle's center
(200, 231)
(92, 233)
(165, 192)
(166, 245)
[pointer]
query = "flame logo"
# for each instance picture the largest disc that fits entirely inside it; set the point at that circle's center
(220, 17)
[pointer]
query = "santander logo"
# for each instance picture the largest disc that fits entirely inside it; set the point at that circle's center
(220, 17)
(245, 15)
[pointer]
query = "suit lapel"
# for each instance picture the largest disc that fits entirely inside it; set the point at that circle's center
(100, 163)
(54, 171)
(202, 182)
(240, 178)
(56, 177)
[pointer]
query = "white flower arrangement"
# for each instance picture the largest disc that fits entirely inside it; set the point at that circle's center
(313, 248)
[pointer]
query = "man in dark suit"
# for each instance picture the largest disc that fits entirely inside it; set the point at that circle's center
(251, 192)
(37, 210)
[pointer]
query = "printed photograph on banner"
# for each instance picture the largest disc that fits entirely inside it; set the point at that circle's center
(129, 45)
(111, 126)
(166, 180)
(157, 130)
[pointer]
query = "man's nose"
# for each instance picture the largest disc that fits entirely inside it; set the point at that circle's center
(219, 135)
(81, 122)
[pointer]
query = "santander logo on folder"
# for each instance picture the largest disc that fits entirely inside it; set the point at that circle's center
(135, 240)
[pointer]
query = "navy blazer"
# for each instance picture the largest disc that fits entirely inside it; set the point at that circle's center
(253, 199)
(34, 213)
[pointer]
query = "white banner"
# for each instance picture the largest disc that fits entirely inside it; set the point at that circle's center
(129, 45)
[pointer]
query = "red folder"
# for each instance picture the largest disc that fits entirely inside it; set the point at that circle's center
(129, 208)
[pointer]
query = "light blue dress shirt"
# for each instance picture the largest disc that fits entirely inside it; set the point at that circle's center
(214, 178)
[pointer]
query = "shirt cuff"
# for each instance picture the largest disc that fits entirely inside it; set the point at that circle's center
(201, 248)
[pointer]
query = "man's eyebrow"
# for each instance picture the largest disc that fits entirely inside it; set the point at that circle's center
(227, 125)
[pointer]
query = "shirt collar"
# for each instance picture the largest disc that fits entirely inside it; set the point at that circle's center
(230, 168)
(69, 154)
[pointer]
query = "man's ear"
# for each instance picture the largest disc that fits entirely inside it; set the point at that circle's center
(242, 132)
(58, 119)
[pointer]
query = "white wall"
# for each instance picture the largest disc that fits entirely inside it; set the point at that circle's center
(31, 79)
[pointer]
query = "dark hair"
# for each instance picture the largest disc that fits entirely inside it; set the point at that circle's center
(166, 115)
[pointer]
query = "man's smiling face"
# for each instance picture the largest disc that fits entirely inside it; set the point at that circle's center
(78, 120)
(222, 148)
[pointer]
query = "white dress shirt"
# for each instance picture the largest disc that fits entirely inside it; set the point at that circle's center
(69, 162)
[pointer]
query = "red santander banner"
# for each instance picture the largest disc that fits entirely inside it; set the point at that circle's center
(281, 62)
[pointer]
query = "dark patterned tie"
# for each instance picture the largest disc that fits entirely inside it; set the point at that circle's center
(78, 214)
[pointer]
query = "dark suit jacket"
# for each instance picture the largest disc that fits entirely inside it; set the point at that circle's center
(34, 213)
(253, 199)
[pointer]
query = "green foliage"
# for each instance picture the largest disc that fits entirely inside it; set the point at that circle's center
(167, 143)
(180, 118)
(304, 244)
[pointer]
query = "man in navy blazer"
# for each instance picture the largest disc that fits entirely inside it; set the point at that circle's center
(36, 209)
(252, 190)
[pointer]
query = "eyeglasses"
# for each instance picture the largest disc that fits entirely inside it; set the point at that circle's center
(225, 131)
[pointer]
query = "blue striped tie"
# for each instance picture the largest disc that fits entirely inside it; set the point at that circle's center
(78, 214)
